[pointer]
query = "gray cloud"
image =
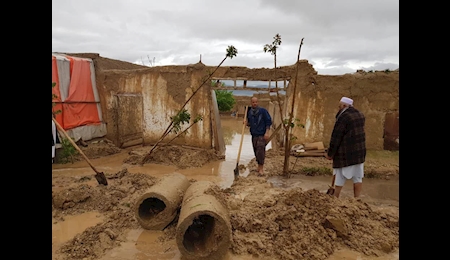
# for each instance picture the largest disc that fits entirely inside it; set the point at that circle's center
(340, 36)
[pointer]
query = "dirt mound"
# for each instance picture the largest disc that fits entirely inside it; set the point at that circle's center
(95, 148)
(115, 201)
(85, 197)
(182, 157)
(265, 221)
(288, 224)
(99, 147)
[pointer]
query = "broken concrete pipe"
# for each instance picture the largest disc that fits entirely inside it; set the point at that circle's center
(160, 204)
(204, 229)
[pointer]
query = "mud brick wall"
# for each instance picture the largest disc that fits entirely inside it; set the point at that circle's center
(138, 101)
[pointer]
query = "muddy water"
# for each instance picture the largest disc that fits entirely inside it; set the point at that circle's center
(143, 244)
(380, 192)
(64, 230)
(220, 172)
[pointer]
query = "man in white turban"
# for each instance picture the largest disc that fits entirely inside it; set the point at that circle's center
(347, 147)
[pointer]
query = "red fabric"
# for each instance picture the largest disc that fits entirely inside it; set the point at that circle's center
(79, 108)
(80, 90)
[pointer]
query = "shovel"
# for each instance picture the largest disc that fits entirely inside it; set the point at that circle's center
(236, 170)
(100, 176)
(330, 190)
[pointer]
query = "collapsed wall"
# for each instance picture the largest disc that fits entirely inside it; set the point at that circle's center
(204, 229)
(159, 205)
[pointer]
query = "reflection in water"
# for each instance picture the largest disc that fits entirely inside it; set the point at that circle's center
(229, 128)
(222, 172)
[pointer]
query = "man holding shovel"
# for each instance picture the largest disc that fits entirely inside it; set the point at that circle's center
(347, 147)
(259, 121)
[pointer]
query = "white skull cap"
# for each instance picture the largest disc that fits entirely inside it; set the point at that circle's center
(347, 101)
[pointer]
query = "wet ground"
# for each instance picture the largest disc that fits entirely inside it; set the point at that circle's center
(144, 244)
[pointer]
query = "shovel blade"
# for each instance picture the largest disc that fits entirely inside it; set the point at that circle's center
(330, 191)
(101, 178)
(236, 172)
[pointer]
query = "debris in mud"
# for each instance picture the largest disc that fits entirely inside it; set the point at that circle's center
(82, 198)
(92, 243)
(92, 149)
(114, 201)
(97, 148)
(182, 157)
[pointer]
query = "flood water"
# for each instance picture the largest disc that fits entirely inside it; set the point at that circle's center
(143, 244)
(72, 225)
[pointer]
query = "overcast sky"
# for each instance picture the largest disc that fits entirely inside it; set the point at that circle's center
(340, 36)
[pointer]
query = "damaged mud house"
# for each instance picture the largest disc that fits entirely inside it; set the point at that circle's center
(131, 104)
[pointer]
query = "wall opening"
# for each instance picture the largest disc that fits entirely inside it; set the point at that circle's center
(244, 87)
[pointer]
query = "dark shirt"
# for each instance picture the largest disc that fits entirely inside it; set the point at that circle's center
(259, 120)
(348, 139)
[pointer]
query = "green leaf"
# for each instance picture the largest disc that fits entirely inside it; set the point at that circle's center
(231, 51)
(225, 100)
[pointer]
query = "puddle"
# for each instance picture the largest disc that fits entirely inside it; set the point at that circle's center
(374, 190)
(222, 172)
(144, 244)
(63, 231)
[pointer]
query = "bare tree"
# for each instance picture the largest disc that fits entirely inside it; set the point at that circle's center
(290, 124)
(287, 123)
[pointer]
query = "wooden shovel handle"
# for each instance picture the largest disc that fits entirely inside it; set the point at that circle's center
(332, 182)
(74, 145)
(242, 136)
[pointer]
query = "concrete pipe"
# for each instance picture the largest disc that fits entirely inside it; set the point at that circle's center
(160, 204)
(204, 229)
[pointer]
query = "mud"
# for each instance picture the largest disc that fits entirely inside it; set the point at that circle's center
(298, 224)
(268, 221)
(182, 157)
